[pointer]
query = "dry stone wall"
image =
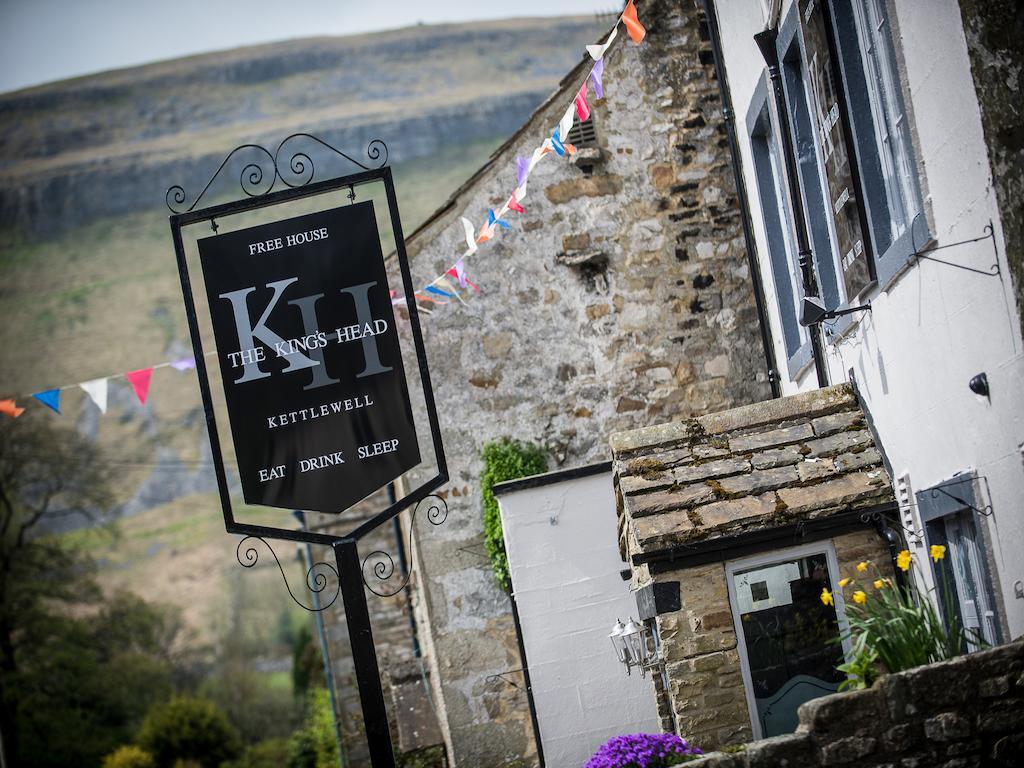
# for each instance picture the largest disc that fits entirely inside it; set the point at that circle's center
(964, 713)
(620, 298)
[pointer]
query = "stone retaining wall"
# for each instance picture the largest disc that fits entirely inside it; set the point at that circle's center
(958, 714)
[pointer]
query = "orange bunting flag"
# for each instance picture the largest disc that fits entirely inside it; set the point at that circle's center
(633, 26)
(140, 382)
(582, 108)
(9, 408)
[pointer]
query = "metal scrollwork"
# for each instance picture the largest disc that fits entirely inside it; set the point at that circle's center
(316, 579)
(382, 565)
(293, 167)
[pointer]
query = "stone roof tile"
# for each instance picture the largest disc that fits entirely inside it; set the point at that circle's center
(762, 465)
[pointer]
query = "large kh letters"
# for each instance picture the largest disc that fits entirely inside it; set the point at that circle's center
(310, 359)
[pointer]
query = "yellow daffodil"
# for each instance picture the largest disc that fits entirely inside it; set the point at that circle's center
(938, 552)
(862, 566)
(859, 597)
(903, 560)
(844, 582)
(826, 597)
(879, 583)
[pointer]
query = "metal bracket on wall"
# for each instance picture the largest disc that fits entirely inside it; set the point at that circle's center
(986, 511)
(990, 234)
(502, 677)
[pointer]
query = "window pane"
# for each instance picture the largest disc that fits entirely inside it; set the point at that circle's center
(789, 637)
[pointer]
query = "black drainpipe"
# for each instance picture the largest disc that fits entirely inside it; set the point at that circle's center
(741, 193)
(403, 565)
(766, 43)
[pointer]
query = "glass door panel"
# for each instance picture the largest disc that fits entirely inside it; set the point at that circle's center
(788, 638)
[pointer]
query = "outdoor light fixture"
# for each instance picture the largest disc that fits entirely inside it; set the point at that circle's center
(813, 311)
(979, 385)
(634, 647)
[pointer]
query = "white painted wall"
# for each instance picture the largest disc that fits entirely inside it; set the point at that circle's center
(564, 561)
(936, 326)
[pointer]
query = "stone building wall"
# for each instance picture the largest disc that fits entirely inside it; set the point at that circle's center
(995, 43)
(705, 685)
(621, 297)
(963, 713)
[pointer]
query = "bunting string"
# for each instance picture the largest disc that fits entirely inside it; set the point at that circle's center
(440, 290)
(451, 285)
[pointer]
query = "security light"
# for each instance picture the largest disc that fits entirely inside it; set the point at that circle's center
(813, 311)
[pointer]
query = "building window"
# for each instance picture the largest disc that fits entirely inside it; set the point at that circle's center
(880, 125)
(782, 250)
(789, 642)
(964, 587)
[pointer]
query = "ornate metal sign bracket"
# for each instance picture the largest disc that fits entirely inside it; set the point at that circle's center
(263, 169)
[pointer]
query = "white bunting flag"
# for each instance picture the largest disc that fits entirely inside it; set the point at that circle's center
(597, 51)
(97, 392)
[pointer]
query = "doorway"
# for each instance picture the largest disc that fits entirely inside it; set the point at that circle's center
(788, 639)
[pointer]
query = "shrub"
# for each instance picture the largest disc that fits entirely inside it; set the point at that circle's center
(315, 745)
(189, 729)
(129, 756)
(643, 750)
(504, 460)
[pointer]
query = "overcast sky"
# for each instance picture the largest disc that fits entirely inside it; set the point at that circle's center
(44, 40)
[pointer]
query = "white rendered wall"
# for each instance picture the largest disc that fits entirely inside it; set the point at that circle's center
(564, 560)
(936, 326)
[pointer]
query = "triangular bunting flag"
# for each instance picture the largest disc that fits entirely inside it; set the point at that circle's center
(10, 408)
(597, 75)
(582, 108)
(522, 170)
(140, 382)
(513, 204)
(186, 363)
(565, 124)
(492, 220)
(470, 240)
(50, 398)
(633, 26)
(97, 391)
(597, 51)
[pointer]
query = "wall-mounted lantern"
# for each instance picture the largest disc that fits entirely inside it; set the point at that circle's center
(634, 647)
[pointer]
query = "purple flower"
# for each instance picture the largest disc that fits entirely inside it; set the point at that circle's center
(643, 750)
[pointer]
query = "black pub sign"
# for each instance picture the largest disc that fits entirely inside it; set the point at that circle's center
(309, 358)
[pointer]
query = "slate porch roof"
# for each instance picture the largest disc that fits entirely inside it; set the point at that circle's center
(769, 464)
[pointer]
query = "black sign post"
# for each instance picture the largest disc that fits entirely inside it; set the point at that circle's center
(311, 368)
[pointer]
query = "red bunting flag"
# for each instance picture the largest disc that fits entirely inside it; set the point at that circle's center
(140, 382)
(9, 408)
(582, 108)
(514, 205)
(633, 26)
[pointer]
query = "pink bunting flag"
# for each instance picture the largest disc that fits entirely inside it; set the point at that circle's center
(140, 382)
(633, 26)
(513, 204)
(582, 108)
(597, 75)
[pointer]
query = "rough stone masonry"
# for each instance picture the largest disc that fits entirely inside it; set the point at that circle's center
(622, 297)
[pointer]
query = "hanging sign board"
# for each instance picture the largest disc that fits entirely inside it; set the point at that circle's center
(309, 359)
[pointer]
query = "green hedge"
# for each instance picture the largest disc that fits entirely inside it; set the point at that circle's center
(505, 459)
